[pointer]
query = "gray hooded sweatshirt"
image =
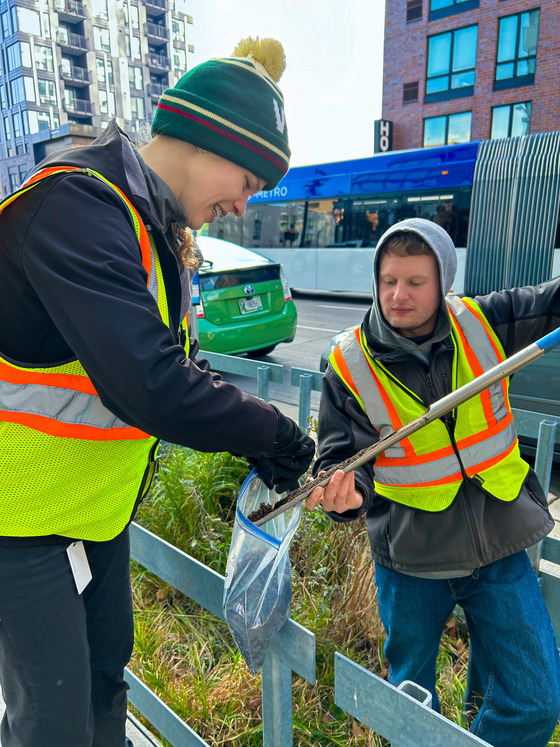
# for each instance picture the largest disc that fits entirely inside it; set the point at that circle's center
(477, 529)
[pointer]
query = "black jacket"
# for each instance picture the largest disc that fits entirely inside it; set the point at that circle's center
(476, 529)
(72, 286)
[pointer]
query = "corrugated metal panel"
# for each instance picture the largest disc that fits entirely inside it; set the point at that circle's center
(514, 213)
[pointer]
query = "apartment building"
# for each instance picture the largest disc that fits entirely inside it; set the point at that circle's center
(68, 67)
(462, 70)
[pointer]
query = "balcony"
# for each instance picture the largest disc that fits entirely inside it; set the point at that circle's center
(156, 7)
(155, 90)
(79, 107)
(156, 34)
(77, 76)
(72, 43)
(70, 11)
(158, 62)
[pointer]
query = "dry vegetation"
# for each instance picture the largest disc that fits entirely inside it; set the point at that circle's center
(188, 656)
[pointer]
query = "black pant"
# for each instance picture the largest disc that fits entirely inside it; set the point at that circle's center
(62, 654)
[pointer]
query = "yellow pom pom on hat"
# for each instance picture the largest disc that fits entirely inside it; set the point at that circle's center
(232, 106)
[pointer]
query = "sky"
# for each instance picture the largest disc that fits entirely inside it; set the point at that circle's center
(332, 84)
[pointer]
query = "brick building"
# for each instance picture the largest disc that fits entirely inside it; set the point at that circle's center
(461, 70)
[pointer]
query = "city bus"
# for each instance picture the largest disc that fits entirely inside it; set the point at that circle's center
(500, 199)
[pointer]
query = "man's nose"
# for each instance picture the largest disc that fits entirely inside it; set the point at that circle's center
(400, 291)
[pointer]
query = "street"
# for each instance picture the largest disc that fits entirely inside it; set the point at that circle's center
(320, 316)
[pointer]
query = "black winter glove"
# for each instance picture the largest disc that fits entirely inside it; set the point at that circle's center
(289, 457)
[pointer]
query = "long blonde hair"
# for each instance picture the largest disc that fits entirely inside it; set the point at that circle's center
(186, 248)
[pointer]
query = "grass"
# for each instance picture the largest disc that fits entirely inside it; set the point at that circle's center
(188, 656)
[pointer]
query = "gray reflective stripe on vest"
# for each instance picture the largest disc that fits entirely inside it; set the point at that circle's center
(365, 383)
(439, 469)
(64, 405)
(153, 282)
(478, 339)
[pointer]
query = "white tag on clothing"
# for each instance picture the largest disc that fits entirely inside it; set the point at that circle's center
(79, 564)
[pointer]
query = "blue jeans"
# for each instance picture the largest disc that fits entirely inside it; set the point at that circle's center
(512, 644)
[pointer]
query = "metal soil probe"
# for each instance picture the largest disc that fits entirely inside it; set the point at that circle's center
(436, 410)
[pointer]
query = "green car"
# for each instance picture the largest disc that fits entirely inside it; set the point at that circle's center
(245, 304)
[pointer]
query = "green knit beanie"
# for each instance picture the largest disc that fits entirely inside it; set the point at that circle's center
(232, 107)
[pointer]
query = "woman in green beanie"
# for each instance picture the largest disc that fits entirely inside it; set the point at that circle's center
(97, 262)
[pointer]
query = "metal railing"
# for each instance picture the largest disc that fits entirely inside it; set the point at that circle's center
(399, 714)
(156, 89)
(70, 7)
(158, 5)
(72, 41)
(158, 61)
(79, 106)
(156, 32)
(75, 74)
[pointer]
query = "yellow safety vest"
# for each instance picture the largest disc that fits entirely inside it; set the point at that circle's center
(69, 466)
(423, 471)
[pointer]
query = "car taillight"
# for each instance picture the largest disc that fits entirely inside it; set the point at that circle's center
(285, 286)
(200, 310)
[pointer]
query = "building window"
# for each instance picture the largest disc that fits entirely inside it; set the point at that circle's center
(7, 131)
(14, 179)
(101, 40)
(44, 58)
(410, 92)
(413, 10)
(451, 64)
(104, 69)
(178, 30)
(99, 9)
(511, 120)
(47, 92)
(443, 8)
(517, 49)
(18, 54)
(6, 30)
(46, 26)
(22, 89)
(131, 16)
(179, 60)
(135, 78)
(3, 101)
(16, 120)
(133, 47)
(43, 120)
(29, 21)
(14, 56)
(137, 107)
(107, 102)
(447, 129)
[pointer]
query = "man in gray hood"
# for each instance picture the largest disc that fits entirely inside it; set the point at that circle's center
(451, 509)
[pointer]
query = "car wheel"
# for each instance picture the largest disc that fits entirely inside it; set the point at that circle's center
(260, 352)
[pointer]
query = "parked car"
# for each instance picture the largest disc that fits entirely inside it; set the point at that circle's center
(535, 387)
(245, 301)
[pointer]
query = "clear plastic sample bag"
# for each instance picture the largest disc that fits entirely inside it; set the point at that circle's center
(258, 585)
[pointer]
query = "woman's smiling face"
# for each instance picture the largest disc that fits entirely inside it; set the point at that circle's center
(214, 187)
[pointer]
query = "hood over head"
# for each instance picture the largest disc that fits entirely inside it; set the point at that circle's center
(383, 338)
